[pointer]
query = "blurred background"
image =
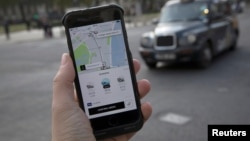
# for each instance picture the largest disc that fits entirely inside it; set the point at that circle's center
(185, 99)
(21, 14)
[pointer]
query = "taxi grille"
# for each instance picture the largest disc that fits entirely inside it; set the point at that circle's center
(165, 41)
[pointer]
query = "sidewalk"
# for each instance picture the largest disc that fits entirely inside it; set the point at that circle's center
(38, 34)
(31, 35)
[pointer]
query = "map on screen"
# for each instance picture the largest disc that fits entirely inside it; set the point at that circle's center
(98, 46)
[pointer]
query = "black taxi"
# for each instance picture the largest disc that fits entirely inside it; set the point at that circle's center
(190, 30)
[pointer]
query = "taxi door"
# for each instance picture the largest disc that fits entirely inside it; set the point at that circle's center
(220, 27)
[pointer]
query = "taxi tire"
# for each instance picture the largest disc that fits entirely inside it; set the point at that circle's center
(205, 57)
(234, 44)
(151, 65)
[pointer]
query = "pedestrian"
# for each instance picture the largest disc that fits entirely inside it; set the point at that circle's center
(47, 27)
(37, 20)
(69, 122)
(6, 26)
(27, 22)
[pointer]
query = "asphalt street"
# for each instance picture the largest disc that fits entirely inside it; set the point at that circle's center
(185, 99)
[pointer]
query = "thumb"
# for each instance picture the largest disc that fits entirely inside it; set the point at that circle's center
(68, 120)
(63, 88)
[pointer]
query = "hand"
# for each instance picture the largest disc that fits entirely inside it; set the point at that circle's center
(69, 122)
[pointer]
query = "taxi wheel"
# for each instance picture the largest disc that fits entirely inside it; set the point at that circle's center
(205, 57)
(234, 44)
(151, 65)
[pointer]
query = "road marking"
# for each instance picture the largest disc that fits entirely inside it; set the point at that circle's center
(175, 118)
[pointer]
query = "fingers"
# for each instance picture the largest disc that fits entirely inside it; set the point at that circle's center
(146, 110)
(137, 65)
(143, 87)
(63, 89)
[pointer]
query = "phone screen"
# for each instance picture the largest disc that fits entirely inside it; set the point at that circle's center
(102, 66)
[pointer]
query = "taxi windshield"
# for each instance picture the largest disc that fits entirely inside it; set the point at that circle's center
(184, 12)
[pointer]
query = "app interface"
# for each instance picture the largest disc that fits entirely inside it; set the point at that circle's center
(103, 69)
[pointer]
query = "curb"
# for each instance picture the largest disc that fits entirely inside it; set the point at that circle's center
(58, 32)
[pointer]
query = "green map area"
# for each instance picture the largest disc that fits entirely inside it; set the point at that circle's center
(82, 56)
(98, 47)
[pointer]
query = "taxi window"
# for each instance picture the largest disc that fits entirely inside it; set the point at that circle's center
(226, 9)
(220, 9)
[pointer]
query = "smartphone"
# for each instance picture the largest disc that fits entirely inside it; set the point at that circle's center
(105, 79)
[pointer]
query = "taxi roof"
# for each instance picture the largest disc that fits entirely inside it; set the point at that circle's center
(170, 2)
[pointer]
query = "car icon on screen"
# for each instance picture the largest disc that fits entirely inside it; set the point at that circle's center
(106, 83)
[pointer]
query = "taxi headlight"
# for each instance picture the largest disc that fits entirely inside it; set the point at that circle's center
(147, 40)
(187, 40)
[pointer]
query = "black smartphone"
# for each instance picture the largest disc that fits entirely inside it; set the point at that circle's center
(105, 79)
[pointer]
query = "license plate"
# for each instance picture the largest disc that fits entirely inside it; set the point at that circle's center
(165, 56)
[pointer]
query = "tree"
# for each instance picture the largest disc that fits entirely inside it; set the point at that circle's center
(4, 4)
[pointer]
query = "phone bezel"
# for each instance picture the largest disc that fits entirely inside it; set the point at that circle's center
(129, 121)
